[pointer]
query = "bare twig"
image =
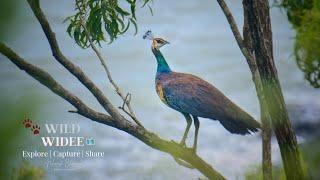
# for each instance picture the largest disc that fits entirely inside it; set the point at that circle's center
(126, 101)
(109, 76)
(73, 111)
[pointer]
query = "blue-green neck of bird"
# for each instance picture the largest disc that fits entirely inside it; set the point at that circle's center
(163, 66)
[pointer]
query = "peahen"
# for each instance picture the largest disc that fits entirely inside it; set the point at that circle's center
(192, 96)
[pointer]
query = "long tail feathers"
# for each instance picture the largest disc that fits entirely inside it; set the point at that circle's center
(242, 125)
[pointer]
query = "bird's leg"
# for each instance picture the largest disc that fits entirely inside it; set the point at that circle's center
(196, 125)
(189, 122)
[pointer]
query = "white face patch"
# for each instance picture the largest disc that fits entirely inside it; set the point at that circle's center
(159, 42)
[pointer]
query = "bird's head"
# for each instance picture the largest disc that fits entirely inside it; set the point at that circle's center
(157, 43)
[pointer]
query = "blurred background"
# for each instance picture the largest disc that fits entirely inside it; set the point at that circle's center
(201, 43)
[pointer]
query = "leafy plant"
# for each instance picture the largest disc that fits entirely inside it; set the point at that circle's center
(305, 19)
(26, 171)
(102, 18)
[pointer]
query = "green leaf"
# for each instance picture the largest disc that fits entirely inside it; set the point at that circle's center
(127, 27)
(150, 9)
(135, 26)
(121, 11)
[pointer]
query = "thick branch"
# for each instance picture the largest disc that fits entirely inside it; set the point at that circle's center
(265, 116)
(149, 138)
(261, 35)
(247, 50)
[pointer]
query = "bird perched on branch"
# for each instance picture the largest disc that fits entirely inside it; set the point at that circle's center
(192, 96)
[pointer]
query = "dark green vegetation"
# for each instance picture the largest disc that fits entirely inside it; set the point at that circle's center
(26, 171)
(9, 15)
(12, 136)
(311, 154)
(255, 173)
(305, 19)
(102, 18)
(13, 111)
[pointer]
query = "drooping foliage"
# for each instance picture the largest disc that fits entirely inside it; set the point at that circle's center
(304, 15)
(104, 20)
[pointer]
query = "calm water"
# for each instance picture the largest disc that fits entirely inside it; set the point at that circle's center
(201, 43)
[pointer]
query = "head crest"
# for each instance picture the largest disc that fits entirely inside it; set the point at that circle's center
(148, 35)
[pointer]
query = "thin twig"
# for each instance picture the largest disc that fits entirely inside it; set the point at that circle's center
(109, 76)
(126, 101)
(73, 111)
(235, 31)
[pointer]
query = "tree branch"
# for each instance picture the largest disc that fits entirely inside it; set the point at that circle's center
(264, 110)
(259, 24)
(247, 49)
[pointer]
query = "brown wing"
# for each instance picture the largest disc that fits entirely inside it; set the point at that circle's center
(190, 94)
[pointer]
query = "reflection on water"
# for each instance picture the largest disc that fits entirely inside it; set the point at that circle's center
(201, 43)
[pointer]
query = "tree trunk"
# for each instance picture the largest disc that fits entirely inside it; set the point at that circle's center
(264, 111)
(259, 32)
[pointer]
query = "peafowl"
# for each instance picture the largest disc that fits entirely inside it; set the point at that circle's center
(192, 96)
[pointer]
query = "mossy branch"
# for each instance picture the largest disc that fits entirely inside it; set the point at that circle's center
(246, 47)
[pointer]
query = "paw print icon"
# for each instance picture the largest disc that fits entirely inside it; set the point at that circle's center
(27, 123)
(35, 129)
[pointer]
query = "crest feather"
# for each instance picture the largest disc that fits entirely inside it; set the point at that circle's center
(148, 35)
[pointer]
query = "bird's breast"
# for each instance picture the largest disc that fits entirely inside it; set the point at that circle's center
(160, 93)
